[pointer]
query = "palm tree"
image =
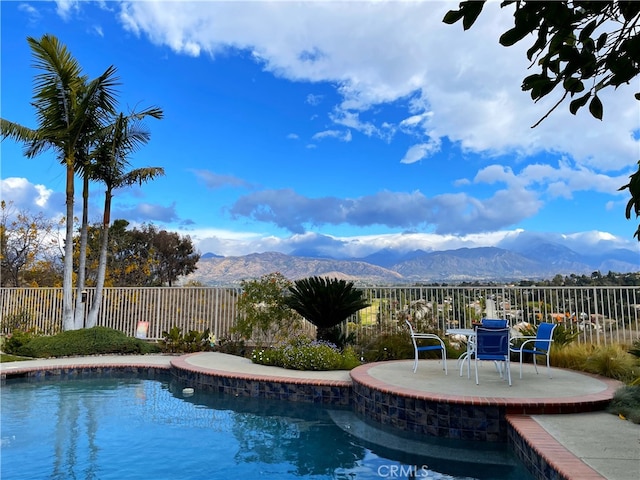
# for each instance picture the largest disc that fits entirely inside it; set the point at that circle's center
(69, 110)
(125, 135)
(325, 302)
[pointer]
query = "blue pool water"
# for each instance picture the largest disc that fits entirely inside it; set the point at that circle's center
(129, 428)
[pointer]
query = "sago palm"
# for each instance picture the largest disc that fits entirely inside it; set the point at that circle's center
(325, 302)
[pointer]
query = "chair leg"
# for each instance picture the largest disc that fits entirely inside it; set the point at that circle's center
(535, 364)
(415, 362)
(476, 364)
(444, 361)
(548, 366)
(508, 369)
(462, 359)
(520, 364)
(465, 359)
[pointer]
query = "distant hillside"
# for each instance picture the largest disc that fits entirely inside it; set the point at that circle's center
(538, 261)
(228, 270)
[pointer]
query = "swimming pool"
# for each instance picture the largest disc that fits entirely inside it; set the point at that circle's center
(126, 427)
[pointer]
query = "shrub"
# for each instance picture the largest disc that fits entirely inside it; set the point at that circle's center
(388, 346)
(193, 341)
(611, 361)
(15, 321)
(325, 302)
(15, 341)
(338, 338)
(635, 349)
(263, 315)
(571, 356)
(563, 336)
(301, 353)
(88, 341)
(626, 402)
(231, 345)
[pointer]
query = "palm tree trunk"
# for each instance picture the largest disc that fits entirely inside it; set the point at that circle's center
(82, 260)
(67, 277)
(92, 319)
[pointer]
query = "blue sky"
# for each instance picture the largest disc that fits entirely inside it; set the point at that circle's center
(343, 126)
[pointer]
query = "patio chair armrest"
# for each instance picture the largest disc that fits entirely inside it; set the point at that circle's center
(521, 346)
(522, 337)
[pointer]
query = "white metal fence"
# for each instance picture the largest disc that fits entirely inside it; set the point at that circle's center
(602, 315)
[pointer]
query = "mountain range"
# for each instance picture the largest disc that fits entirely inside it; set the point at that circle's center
(531, 260)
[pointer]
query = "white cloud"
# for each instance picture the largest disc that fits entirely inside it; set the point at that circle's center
(28, 196)
(461, 85)
(314, 99)
(423, 150)
(234, 244)
(343, 136)
(66, 7)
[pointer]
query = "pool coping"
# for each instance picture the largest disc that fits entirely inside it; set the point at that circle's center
(543, 405)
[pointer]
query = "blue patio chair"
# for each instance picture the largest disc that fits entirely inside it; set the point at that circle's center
(439, 345)
(466, 356)
(541, 345)
(493, 323)
(493, 344)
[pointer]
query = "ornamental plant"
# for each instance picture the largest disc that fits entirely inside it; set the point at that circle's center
(325, 302)
(302, 353)
(263, 315)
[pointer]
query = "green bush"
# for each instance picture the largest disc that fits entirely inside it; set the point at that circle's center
(15, 321)
(398, 346)
(14, 342)
(174, 341)
(88, 341)
(231, 346)
(388, 346)
(635, 349)
(626, 402)
(301, 353)
(263, 315)
(563, 336)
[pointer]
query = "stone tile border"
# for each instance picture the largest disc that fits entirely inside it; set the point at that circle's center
(328, 392)
(76, 370)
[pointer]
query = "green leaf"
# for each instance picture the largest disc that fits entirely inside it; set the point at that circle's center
(629, 9)
(452, 16)
(472, 10)
(513, 36)
(595, 107)
(578, 103)
(588, 30)
(602, 39)
(637, 95)
(468, 12)
(540, 42)
(554, 66)
(573, 85)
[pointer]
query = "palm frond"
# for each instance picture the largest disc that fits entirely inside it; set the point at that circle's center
(325, 302)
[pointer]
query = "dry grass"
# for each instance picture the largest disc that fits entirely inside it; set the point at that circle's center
(612, 361)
